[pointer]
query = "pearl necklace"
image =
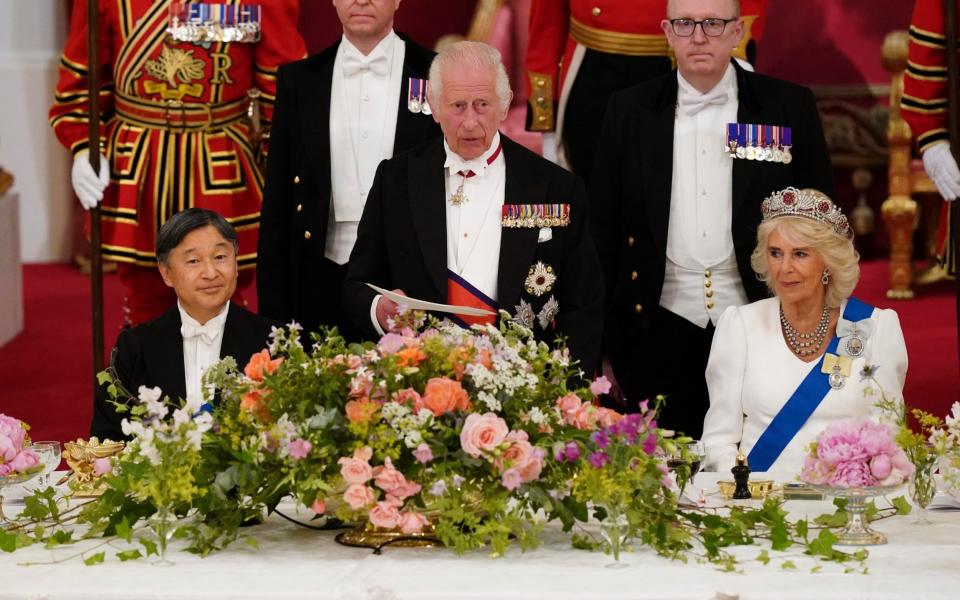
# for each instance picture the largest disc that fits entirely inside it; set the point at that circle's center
(805, 344)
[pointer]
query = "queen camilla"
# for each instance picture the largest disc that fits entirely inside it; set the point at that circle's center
(782, 368)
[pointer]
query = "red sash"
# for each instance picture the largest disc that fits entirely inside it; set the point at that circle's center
(461, 293)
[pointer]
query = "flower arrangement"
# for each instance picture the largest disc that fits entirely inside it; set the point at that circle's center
(16, 458)
(853, 453)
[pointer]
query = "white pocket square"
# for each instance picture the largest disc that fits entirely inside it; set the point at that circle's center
(545, 235)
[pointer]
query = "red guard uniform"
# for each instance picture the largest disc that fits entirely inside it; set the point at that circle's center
(621, 44)
(924, 103)
(176, 127)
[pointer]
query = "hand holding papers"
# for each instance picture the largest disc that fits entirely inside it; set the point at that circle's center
(416, 304)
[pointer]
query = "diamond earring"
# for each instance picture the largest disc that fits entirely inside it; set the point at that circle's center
(825, 278)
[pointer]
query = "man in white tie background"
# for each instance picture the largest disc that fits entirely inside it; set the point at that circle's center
(338, 114)
(674, 215)
(197, 258)
(438, 225)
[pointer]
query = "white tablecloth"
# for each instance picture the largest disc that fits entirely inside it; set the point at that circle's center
(293, 562)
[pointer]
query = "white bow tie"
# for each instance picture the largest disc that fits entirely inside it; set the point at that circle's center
(694, 104)
(206, 332)
(353, 64)
(477, 166)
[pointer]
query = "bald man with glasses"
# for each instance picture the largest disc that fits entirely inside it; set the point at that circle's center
(684, 162)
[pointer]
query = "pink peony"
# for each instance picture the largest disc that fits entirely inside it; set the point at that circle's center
(852, 474)
(357, 496)
(412, 522)
(12, 436)
(299, 448)
(24, 460)
(423, 454)
(880, 466)
(102, 466)
(482, 433)
(385, 515)
(815, 471)
(600, 385)
(318, 507)
(355, 471)
(840, 443)
(876, 439)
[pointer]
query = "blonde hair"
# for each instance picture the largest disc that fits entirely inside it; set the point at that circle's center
(837, 252)
(470, 55)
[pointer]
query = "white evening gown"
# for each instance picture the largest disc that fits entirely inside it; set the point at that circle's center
(752, 373)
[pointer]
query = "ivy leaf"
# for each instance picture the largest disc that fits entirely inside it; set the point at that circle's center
(816, 569)
(788, 565)
(872, 511)
(123, 530)
(582, 542)
(837, 519)
(8, 542)
(149, 546)
(900, 503)
(861, 554)
(779, 537)
(59, 537)
(802, 528)
(764, 557)
(94, 559)
(129, 555)
(252, 542)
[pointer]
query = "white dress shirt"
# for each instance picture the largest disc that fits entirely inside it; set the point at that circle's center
(473, 227)
(364, 101)
(201, 347)
(752, 373)
(701, 277)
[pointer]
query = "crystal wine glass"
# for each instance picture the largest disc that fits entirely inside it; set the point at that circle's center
(685, 462)
(49, 454)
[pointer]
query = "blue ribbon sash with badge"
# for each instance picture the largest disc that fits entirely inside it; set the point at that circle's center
(829, 373)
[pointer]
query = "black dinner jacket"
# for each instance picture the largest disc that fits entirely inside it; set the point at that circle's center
(151, 354)
(296, 200)
(402, 243)
(631, 183)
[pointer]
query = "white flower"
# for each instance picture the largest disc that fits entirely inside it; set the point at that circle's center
(412, 438)
(149, 451)
(537, 416)
(131, 428)
(194, 438)
(147, 395)
(203, 422)
(181, 416)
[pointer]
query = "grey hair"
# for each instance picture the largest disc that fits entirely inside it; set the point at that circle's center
(734, 3)
(179, 225)
(837, 252)
(470, 55)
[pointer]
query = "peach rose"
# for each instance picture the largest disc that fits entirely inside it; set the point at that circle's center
(354, 471)
(608, 417)
(585, 417)
(409, 396)
(406, 489)
(444, 395)
(360, 411)
(387, 477)
(385, 515)
(410, 357)
(482, 433)
(260, 364)
(358, 496)
(412, 522)
(364, 453)
(517, 454)
(255, 402)
(568, 406)
(531, 470)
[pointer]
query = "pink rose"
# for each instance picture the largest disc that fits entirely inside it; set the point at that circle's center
(406, 489)
(24, 460)
(409, 396)
(600, 385)
(385, 515)
(586, 417)
(880, 466)
(568, 406)
(355, 471)
(387, 477)
(412, 522)
(531, 471)
(102, 466)
(358, 496)
(299, 448)
(318, 507)
(517, 454)
(423, 454)
(511, 479)
(482, 433)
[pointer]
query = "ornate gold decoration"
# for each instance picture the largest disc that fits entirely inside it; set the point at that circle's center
(541, 102)
(80, 456)
(759, 488)
(368, 536)
(172, 65)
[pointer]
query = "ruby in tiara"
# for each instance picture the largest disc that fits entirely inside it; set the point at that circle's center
(808, 203)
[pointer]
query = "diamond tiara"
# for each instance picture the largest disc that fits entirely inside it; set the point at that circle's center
(809, 203)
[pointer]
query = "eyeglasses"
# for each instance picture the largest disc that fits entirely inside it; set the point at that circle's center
(710, 27)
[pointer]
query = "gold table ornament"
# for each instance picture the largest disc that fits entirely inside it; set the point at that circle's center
(759, 488)
(80, 456)
(366, 535)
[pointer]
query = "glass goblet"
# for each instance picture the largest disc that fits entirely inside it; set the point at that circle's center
(685, 462)
(49, 453)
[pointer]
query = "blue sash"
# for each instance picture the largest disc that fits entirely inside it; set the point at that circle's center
(805, 399)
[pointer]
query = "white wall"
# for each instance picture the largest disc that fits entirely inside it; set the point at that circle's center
(32, 33)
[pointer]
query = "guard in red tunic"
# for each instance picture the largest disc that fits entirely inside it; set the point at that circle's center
(582, 51)
(924, 107)
(188, 88)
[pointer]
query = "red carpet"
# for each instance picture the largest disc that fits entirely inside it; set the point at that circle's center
(47, 378)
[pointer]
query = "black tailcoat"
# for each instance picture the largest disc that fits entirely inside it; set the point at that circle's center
(151, 354)
(402, 243)
(296, 201)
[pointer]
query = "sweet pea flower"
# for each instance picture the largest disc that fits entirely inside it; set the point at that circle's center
(261, 364)
(598, 459)
(102, 466)
(423, 454)
(390, 343)
(319, 506)
(511, 479)
(299, 448)
(572, 451)
(438, 488)
(601, 385)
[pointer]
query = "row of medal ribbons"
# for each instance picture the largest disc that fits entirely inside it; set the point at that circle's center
(200, 23)
(771, 143)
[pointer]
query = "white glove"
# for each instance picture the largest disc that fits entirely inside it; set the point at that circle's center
(550, 146)
(86, 184)
(940, 165)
